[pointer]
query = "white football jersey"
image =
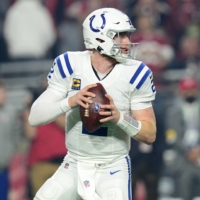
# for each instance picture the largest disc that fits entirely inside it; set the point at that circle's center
(128, 84)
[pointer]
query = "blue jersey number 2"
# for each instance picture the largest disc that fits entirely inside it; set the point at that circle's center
(52, 70)
(153, 88)
(102, 131)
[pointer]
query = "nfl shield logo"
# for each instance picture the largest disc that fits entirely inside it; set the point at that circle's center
(86, 183)
(97, 107)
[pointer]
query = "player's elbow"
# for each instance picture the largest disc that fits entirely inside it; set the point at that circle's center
(36, 115)
(32, 121)
(147, 137)
(147, 134)
(150, 139)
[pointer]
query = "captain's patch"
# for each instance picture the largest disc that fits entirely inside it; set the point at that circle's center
(76, 84)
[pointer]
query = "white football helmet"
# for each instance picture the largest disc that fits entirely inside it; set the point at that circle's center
(101, 26)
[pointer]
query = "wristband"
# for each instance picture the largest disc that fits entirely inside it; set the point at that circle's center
(129, 125)
(64, 106)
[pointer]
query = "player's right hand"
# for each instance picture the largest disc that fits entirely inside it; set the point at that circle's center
(81, 98)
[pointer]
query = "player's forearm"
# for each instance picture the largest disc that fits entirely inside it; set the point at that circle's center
(147, 134)
(44, 113)
(47, 108)
(141, 130)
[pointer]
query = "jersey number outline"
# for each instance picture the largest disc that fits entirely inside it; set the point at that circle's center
(153, 88)
(52, 70)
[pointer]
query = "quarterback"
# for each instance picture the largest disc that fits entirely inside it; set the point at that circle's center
(97, 166)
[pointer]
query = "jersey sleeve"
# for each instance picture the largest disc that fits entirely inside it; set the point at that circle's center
(60, 73)
(144, 88)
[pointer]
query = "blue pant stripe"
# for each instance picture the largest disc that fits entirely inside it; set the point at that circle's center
(129, 177)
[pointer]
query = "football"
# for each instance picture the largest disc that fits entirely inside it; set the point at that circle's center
(90, 116)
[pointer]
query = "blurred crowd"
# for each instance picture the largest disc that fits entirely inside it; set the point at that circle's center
(169, 35)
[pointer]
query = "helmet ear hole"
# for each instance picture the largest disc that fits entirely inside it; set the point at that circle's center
(99, 49)
(100, 40)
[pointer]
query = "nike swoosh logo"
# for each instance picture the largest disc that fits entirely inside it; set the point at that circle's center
(111, 173)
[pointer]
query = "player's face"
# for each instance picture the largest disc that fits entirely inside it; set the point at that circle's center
(123, 39)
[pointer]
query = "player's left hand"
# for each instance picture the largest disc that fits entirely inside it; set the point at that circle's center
(111, 112)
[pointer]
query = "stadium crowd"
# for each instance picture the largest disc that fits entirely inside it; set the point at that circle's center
(169, 35)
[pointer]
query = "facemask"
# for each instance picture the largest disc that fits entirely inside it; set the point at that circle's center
(190, 99)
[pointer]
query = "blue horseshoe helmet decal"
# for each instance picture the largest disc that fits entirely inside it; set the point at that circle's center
(102, 26)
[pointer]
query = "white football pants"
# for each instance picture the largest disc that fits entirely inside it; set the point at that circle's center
(85, 181)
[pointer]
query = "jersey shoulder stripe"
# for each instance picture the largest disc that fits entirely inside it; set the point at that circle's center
(140, 68)
(143, 79)
(64, 65)
(68, 63)
(60, 67)
(140, 76)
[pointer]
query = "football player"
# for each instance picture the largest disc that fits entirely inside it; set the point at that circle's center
(97, 166)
